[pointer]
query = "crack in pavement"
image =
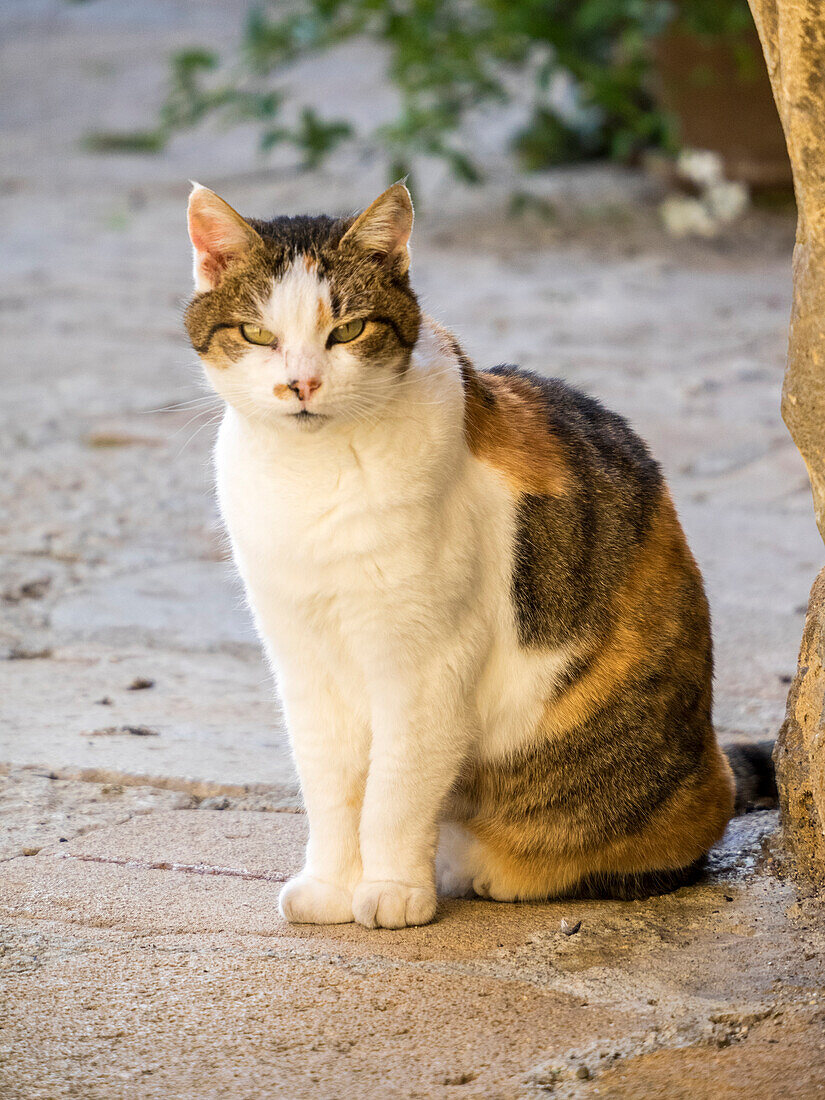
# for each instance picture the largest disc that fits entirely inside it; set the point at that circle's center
(186, 868)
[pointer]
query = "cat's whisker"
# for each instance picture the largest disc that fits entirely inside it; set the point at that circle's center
(367, 414)
(207, 424)
(412, 378)
(193, 419)
(184, 406)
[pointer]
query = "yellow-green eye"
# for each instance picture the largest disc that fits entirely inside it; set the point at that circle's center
(257, 335)
(344, 333)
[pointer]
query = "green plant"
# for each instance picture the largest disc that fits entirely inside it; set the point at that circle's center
(447, 58)
(715, 18)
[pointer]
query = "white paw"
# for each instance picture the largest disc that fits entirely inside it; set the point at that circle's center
(307, 900)
(392, 904)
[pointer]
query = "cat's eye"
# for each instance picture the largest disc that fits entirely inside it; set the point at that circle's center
(257, 335)
(346, 332)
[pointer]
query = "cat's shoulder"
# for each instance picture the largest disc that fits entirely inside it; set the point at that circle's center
(544, 434)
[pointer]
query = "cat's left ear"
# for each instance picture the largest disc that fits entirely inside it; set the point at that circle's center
(218, 234)
(384, 228)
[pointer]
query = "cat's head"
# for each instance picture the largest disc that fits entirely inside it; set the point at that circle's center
(303, 321)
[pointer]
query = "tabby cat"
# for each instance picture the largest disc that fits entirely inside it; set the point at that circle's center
(490, 638)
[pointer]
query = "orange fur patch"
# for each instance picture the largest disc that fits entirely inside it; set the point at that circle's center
(680, 831)
(505, 425)
(323, 315)
(536, 856)
(643, 621)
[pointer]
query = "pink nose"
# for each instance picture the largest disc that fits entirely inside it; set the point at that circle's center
(304, 388)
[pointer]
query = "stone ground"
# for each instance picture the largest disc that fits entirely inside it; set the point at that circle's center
(147, 799)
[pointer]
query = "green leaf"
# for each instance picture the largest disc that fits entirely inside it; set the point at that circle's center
(125, 141)
(448, 58)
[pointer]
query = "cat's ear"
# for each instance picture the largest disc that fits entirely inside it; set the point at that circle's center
(384, 228)
(218, 234)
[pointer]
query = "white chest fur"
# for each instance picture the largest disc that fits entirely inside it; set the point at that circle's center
(384, 555)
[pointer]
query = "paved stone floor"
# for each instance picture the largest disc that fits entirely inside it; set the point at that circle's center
(147, 800)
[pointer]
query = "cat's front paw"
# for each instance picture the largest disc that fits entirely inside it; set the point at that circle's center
(307, 900)
(392, 904)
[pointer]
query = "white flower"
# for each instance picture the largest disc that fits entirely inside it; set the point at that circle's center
(726, 200)
(701, 167)
(687, 217)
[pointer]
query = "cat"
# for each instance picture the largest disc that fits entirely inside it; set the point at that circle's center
(491, 641)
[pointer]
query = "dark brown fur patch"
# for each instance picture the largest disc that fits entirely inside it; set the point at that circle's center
(753, 769)
(586, 488)
(668, 852)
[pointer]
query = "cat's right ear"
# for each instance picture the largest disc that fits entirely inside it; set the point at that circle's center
(218, 234)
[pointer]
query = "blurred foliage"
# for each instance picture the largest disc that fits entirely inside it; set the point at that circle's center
(715, 17)
(447, 58)
(124, 141)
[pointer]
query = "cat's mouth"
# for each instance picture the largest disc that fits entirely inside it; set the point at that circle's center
(305, 417)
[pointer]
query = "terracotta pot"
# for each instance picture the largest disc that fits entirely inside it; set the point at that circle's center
(718, 90)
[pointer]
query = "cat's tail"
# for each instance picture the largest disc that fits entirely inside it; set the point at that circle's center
(755, 775)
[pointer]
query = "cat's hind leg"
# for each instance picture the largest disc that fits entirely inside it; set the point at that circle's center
(454, 866)
(499, 879)
(466, 867)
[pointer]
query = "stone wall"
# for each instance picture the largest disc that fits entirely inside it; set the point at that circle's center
(800, 749)
(792, 33)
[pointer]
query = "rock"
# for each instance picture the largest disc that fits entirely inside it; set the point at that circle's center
(459, 1079)
(800, 748)
(217, 802)
(793, 41)
(29, 653)
(113, 731)
(27, 590)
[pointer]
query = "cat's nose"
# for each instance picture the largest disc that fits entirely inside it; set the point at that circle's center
(304, 388)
